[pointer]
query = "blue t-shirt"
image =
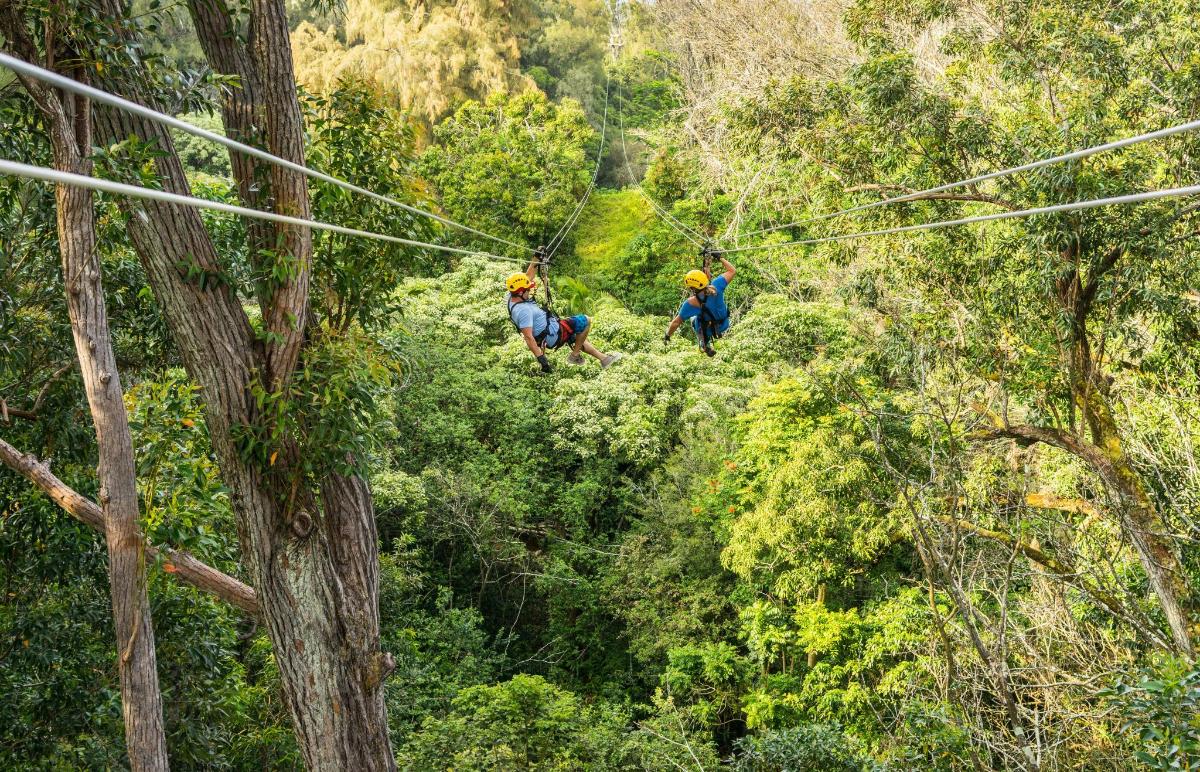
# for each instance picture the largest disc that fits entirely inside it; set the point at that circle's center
(530, 314)
(715, 304)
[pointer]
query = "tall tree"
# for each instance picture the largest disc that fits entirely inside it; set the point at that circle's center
(306, 524)
(68, 118)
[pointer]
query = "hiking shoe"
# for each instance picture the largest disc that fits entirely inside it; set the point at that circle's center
(575, 359)
(609, 360)
(712, 352)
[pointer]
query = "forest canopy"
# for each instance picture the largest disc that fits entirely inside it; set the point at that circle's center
(277, 497)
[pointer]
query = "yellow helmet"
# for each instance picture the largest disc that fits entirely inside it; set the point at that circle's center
(696, 279)
(518, 282)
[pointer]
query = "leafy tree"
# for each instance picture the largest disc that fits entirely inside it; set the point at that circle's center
(1159, 712)
(429, 57)
(523, 723)
(514, 166)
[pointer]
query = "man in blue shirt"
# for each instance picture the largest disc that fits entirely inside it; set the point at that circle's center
(706, 307)
(544, 331)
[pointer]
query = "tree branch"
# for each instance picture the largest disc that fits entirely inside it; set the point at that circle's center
(176, 562)
(1061, 570)
(1026, 435)
(1074, 506)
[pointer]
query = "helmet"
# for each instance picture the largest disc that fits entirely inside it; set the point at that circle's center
(696, 279)
(518, 282)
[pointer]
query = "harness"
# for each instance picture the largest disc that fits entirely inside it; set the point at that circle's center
(544, 274)
(709, 321)
(539, 338)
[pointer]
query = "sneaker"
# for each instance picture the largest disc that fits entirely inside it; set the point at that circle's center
(575, 359)
(708, 349)
(610, 360)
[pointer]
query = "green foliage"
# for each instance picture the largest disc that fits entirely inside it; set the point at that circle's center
(565, 53)
(523, 723)
(803, 748)
(1159, 709)
(184, 504)
(807, 477)
(355, 136)
(202, 155)
(513, 166)
(611, 220)
(800, 554)
(328, 418)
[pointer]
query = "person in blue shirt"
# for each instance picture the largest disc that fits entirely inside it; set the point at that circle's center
(706, 307)
(542, 330)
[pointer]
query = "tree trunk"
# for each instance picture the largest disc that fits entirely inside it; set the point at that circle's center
(287, 308)
(1141, 519)
(69, 118)
(1105, 454)
(315, 568)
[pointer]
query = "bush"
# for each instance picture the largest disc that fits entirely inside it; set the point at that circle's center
(805, 748)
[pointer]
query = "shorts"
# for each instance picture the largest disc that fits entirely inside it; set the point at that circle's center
(568, 328)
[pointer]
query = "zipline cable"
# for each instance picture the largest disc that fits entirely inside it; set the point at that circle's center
(1072, 156)
(664, 215)
(565, 230)
(120, 103)
(1132, 198)
(615, 41)
(44, 174)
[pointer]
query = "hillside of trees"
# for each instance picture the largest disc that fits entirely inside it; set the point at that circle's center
(274, 497)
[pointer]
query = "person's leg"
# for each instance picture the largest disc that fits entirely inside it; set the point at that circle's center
(581, 342)
(707, 337)
(581, 336)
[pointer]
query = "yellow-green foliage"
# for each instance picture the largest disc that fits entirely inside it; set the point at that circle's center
(609, 224)
(430, 56)
(810, 471)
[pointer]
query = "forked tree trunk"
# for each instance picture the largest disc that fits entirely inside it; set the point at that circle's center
(312, 554)
(69, 120)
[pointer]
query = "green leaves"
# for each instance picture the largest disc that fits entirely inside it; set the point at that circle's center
(514, 166)
(184, 503)
(355, 135)
(1160, 708)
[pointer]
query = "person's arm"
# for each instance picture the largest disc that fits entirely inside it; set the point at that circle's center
(678, 320)
(538, 353)
(729, 270)
(531, 271)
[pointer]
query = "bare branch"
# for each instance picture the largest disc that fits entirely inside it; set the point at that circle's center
(176, 562)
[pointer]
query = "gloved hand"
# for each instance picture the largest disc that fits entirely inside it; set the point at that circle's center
(667, 338)
(544, 362)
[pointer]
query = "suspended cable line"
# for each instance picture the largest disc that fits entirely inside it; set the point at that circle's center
(1072, 156)
(44, 174)
(103, 97)
(565, 230)
(664, 215)
(1132, 198)
(615, 41)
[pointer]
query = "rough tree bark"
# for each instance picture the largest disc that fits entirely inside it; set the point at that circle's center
(69, 120)
(312, 554)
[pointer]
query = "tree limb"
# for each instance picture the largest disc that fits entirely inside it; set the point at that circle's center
(1026, 434)
(1061, 570)
(182, 565)
(1074, 506)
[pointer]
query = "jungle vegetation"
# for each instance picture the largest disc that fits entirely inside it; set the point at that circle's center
(277, 499)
